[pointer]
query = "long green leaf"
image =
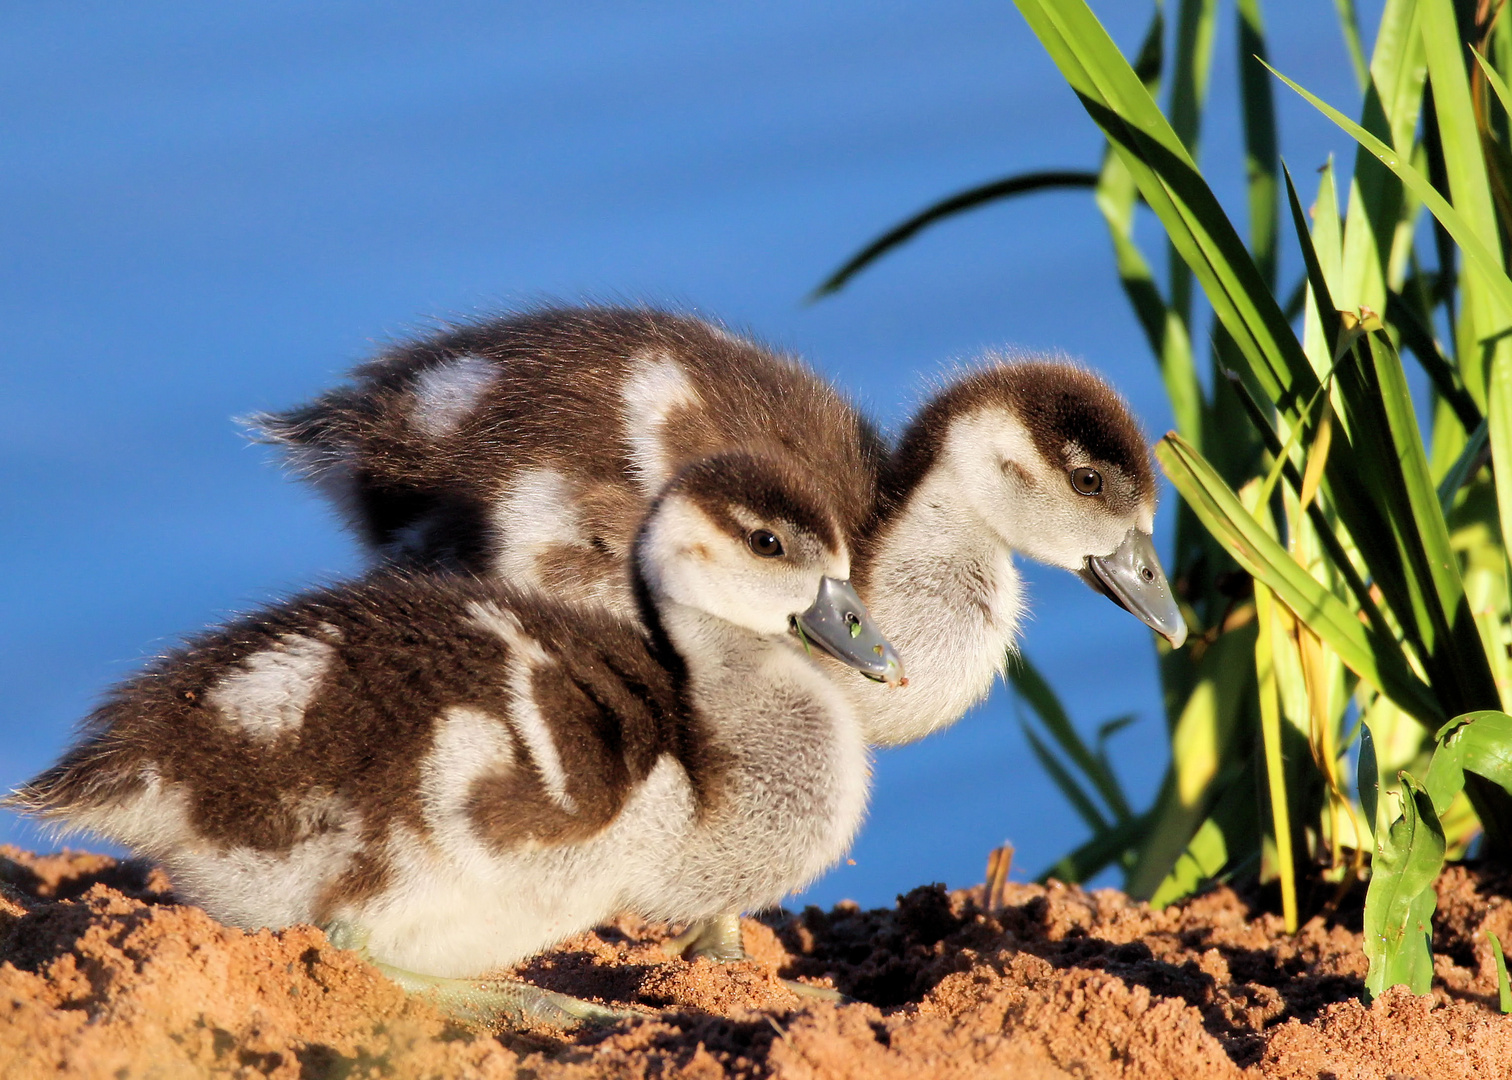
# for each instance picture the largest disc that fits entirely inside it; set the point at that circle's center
(1205, 856)
(1499, 167)
(1418, 338)
(1275, 765)
(971, 199)
(1373, 657)
(1327, 531)
(1422, 578)
(1227, 842)
(1196, 23)
(1261, 158)
(1464, 161)
(1393, 99)
(1085, 808)
(1399, 904)
(1503, 985)
(1117, 196)
(1033, 688)
(1469, 462)
(1494, 80)
(1478, 743)
(1469, 188)
(1327, 241)
(1092, 857)
(1349, 23)
(1206, 749)
(1368, 778)
(1113, 94)
(1155, 156)
(1380, 403)
(1499, 426)
(1369, 521)
(1463, 233)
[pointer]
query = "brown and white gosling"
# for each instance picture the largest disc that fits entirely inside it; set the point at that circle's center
(453, 773)
(528, 448)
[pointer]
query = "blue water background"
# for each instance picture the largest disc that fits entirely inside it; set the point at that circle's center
(207, 210)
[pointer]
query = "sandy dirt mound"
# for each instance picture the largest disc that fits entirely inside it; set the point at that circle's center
(102, 975)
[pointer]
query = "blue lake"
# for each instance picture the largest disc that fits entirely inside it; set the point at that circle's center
(210, 210)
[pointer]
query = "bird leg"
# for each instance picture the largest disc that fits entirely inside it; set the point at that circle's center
(486, 1002)
(719, 939)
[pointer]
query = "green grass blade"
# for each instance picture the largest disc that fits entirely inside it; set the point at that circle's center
(1204, 858)
(1327, 241)
(1368, 778)
(1196, 22)
(1327, 531)
(1372, 656)
(1113, 94)
(1503, 986)
(1464, 161)
(1470, 189)
(1117, 196)
(1227, 841)
(1155, 156)
(1421, 576)
(1502, 93)
(1275, 765)
(1399, 904)
(1419, 340)
(1036, 692)
(1463, 233)
(1097, 853)
(1163, 329)
(1379, 402)
(1258, 111)
(959, 203)
(1085, 808)
(1465, 466)
(1499, 48)
(1499, 423)
(1349, 23)
(1393, 100)
(1368, 520)
(1494, 142)
(1205, 744)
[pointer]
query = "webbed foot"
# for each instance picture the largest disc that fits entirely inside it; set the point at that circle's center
(719, 939)
(487, 1002)
(491, 1002)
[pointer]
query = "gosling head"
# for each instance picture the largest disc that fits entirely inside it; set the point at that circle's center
(1051, 459)
(745, 540)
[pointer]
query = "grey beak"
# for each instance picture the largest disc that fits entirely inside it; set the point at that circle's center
(839, 623)
(1132, 578)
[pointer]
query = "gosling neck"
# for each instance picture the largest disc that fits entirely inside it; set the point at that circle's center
(940, 579)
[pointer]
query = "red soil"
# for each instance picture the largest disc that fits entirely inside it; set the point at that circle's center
(102, 975)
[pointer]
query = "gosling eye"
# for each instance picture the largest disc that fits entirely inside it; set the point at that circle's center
(765, 543)
(1086, 481)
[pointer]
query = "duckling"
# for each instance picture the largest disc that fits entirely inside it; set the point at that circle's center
(1038, 458)
(530, 447)
(526, 447)
(453, 773)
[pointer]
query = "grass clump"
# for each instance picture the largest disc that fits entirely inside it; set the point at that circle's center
(1342, 560)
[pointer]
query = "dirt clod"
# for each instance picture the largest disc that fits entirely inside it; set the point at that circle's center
(103, 975)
